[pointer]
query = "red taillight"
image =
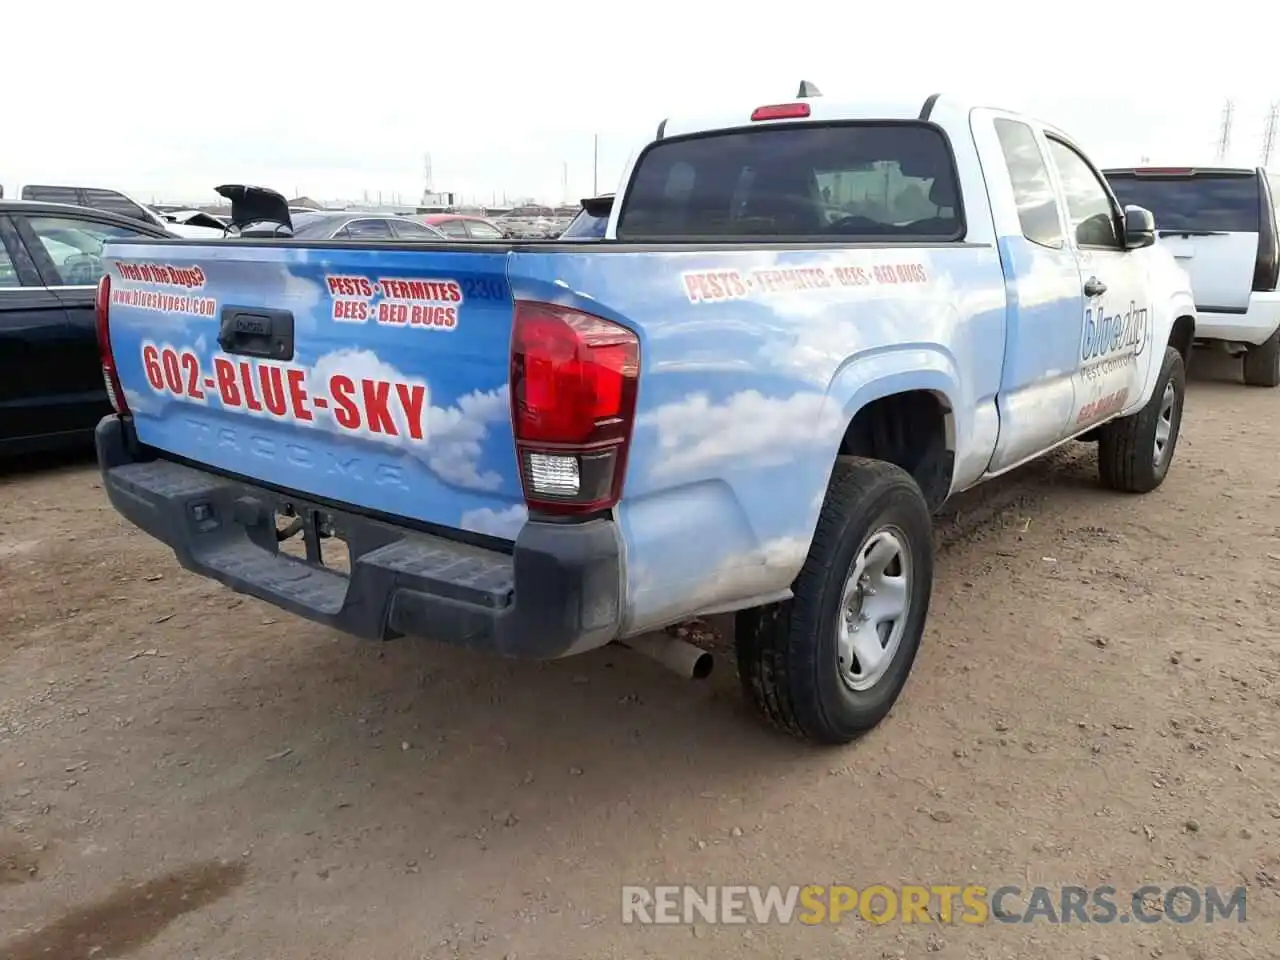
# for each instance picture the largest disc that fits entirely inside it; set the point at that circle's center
(109, 375)
(781, 111)
(1164, 171)
(573, 398)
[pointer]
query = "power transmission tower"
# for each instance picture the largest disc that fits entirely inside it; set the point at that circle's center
(428, 181)
(1269, 133)
(1224, 133)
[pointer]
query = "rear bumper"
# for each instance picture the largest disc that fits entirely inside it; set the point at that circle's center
(1255, 326)
(558, 593)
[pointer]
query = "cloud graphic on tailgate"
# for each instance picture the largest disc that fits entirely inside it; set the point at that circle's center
(455, 434)
(144, 403)
(302, 292)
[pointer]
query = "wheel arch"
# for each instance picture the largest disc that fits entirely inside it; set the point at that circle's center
(1182, 333)
(910, 419)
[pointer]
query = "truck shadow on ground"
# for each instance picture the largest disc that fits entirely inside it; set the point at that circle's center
(1212, 365)
(18, 466)
(128, 918)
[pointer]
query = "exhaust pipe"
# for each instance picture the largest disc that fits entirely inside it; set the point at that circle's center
(679, 656)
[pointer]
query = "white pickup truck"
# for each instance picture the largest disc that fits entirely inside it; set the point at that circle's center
(806, 326)
(1220, 224)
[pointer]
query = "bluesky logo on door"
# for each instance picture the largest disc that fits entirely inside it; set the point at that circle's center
(1108, 335)
(1111, 344)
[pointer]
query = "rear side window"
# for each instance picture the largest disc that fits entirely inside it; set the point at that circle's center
(1038, 211)
(108, 200)
(46, 194)
(1210, 202)
(8, 272)
(75, 246)
(114, 202)
(852, 181)
(408, 230)
(368, 230)
(453, 228)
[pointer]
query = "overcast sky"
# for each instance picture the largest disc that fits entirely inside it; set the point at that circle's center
(334, 99)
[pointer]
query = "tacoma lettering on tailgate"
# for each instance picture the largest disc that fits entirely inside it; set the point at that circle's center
(290, 392)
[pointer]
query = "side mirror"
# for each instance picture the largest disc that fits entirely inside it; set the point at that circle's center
(1139, 228)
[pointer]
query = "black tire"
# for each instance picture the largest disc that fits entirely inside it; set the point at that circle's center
(787, 652)
(1262, 363)
(1127, 447)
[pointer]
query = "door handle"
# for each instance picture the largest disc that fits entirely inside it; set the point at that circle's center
(1093, 287)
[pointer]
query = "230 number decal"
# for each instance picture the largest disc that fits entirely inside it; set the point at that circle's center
(482, 289)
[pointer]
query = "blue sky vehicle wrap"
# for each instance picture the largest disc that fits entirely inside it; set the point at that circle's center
(752, 364)
(800, 334)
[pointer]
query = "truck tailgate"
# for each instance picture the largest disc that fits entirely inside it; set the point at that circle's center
(1220, 266)
(373, 379)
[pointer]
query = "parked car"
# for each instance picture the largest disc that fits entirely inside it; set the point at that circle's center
(115, 201)
(185, 217)
(734, 404)
(51, 388)
(592, 219)
(348, 225)
(530, 222)
(461, 227)
(1220, 224)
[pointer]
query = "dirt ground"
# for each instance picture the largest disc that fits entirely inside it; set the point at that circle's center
(189, 774)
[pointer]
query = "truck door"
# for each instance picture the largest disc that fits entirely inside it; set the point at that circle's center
(1037, 397)
(1115, 347)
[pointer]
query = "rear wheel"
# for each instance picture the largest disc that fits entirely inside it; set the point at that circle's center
(1134, 452)
(830, 663)
(1262, 363)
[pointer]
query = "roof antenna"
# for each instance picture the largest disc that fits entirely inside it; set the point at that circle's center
(807, 89)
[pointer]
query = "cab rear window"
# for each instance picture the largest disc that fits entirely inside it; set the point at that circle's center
(838, 182)
(1228, 203)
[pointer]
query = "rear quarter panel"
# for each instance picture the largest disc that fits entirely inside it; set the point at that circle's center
(747, 386)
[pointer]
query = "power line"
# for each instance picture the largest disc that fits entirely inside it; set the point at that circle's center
(1269, 133)
(1224, 132)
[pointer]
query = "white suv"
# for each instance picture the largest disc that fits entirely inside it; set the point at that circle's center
(1220, 224)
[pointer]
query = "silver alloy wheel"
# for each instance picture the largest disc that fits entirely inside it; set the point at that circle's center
(1164, 424)
(874, 606)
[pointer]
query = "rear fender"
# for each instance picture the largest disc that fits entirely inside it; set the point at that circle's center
(901, 369)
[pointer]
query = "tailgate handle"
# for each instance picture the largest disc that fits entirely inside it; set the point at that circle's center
(257, 332)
